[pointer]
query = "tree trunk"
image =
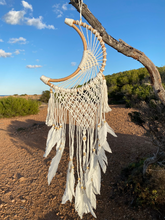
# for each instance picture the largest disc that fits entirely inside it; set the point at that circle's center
(157, 158)
(125, 49)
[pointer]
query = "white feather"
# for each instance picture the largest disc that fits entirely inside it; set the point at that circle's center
(107, 147)
(82, 203)
(50, 133)
(89, 172)
(102, 159)
(58, 144)
(72, 182)
(79, 205)
(54, 165)
(96, 179)
(53, 138)
(93, 163)
(105, 100)
(102, 133)
(69, 190)
(87, 204)
(110, 130)
(90, 194)
(50, 111)
(67, 194)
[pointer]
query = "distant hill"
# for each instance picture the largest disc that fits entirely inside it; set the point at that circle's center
(131, 86)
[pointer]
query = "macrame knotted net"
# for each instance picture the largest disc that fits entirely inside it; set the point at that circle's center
(81, 102)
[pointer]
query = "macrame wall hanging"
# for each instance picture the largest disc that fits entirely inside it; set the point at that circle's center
(81, 101)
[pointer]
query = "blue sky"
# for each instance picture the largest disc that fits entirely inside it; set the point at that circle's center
(35, 41)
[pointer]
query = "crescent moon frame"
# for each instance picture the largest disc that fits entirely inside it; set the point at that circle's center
(73, 24)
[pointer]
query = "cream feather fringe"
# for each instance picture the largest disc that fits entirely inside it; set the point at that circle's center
(90, 141)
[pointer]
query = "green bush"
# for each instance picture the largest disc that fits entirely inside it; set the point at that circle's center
(13, 106)
(45, 96)
(131, 87)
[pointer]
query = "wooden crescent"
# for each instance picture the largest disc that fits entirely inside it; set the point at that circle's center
(85, 48)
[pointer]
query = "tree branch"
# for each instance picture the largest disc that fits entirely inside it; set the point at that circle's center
(125, 49)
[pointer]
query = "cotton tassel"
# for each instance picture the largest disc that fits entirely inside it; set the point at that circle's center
(55, 162)
(69, 190)
(72, 181)
(84, 149)
(54, 136)
(105, 98)
(50, 111)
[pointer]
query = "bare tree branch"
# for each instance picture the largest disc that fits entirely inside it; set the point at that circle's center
(125, 49)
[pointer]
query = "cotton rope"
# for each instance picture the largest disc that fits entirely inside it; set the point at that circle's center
(81, 102)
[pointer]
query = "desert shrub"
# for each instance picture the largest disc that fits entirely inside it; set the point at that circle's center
(23, 94)
(45, 96)
(140, 191)
(151, 190)
(13, 106)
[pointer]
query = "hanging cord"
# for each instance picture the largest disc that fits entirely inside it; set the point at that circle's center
(80, 6)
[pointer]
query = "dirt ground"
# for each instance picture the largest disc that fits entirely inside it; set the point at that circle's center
(24, 191)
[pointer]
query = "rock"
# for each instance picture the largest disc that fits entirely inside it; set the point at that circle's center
(23, 200)
(22, 179)
(17, 176)
(1, 206)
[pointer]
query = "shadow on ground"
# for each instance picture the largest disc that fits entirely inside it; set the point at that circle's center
(31, 136)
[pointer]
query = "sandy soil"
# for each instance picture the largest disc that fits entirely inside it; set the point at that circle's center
(24, 192)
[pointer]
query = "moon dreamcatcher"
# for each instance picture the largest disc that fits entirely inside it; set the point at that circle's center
(81, 101)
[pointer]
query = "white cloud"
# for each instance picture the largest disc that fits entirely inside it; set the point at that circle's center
(33, 66)
(72, 8)
(37, 22)
(27, 5)
(17, 51)
(4, 54)
(17, 17)
(1, 40)
(64, 6)
(19, 40)
(59, 9)
(73, 63)
(2, 2)
(56, 6)
(14, 17)
(58, 12)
